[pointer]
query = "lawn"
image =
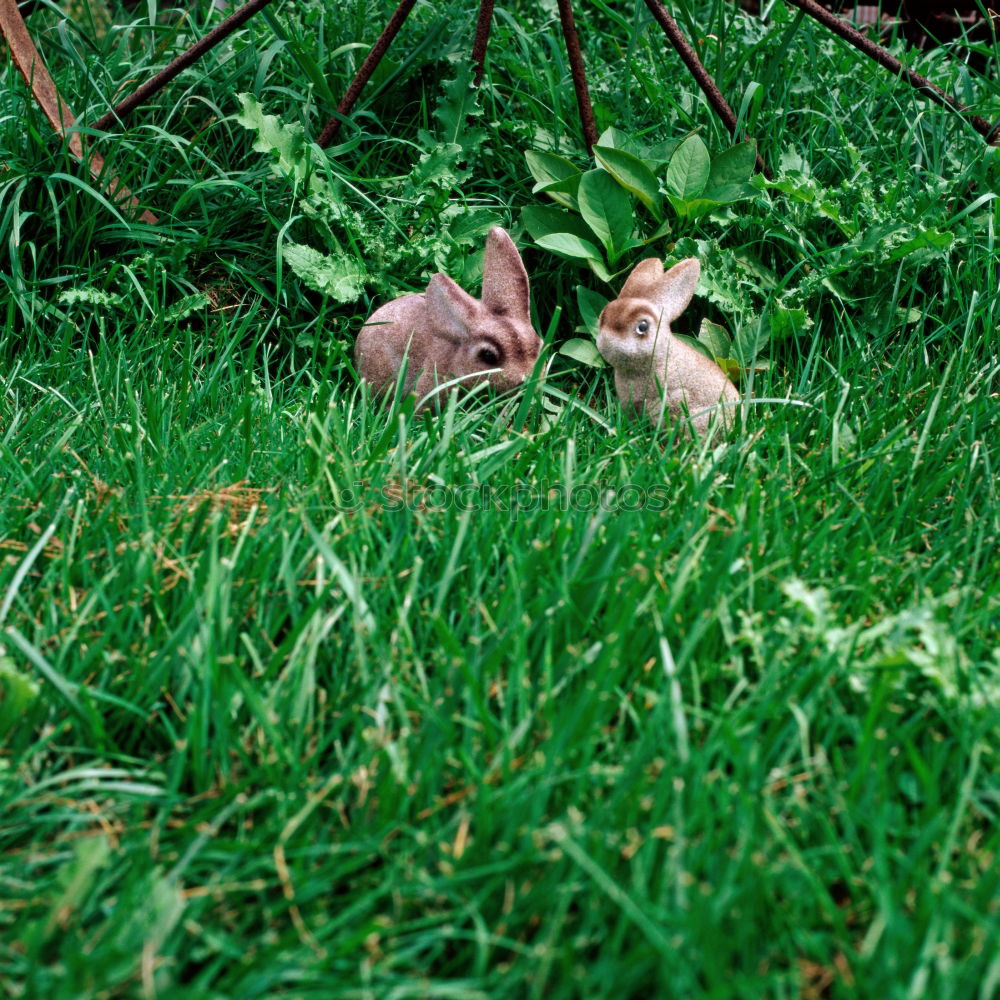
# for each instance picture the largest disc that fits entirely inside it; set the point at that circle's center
(307, 695)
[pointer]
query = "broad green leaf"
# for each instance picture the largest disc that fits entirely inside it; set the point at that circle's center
(716, 338)
(186, 306)
(728, 193)
(541, 220)
(607, 208)
(584, 351)
(689, 168)
(562, 192)
(662, 151)
(548, 167)
(342, 278)
(633, 175)
(568, 245)
(734, 165)
(613, 138)
(692, 208)
(590, 304)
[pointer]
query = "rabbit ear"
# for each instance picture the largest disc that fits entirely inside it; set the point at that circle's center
(644, 281)
(505, 281)
(676, 288)
(451, 310)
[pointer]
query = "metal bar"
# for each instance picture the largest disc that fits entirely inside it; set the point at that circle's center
(701, 75)
(121, 111)
(990, 132)
(30, 65)
(374, 57)
(587, 122)
(483, 25)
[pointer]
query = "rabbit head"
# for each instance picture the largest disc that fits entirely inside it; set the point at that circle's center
(634, 329)
(494, 335)
(445, 334)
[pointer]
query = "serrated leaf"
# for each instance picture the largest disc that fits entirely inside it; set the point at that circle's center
(688, 169)
(607, 208)
(91, 297)
(541, 220)
(568, 245)
(632, 174)
(584, 351)
(590, 304)
(928, 239)
(342, 278)
(186, 306)
(734, 165)
(286, 142)
(458, 104)
(788, 322)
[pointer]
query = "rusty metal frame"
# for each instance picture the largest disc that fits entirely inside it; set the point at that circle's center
(32, 68)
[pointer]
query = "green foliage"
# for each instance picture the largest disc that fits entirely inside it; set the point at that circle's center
(305, 695)
(381, 239)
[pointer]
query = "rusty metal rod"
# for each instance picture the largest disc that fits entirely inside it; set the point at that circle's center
(701, 75)
(579, 74)
(374, 57)
(156, 83)
(990, 132)
(483, 25)
(32, 67)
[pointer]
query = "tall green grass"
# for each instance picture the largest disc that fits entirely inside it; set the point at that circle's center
(303, 695)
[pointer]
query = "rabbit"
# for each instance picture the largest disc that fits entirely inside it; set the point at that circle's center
(652, 367)
(444, 333)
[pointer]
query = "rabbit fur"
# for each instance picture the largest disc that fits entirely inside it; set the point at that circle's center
(653, 369)
(444, 333)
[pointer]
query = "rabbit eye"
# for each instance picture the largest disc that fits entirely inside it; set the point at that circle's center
(489, 356)
(642, 326)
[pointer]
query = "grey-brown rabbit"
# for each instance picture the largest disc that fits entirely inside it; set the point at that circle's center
(652, 367)
(444, 333)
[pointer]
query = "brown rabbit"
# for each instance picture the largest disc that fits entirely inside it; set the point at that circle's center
(652, 367)
(444, 333)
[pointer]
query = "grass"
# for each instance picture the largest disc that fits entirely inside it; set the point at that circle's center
(304, 696)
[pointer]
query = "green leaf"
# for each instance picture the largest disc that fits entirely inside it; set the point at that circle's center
(555, 176)
(17, 693)
(716, 338)
(928, 239)
(541, 220)
(457, 105)
(340, 277)
(632, 174)
(613, 138)
(287, 142)
(568, 245)
(789, 322)
(728, 193)
(734, 165)
(590, 305)
(689, 168)
(186, 306)
(692, 208)
(548, 167)
(584, 351)
(607, 208)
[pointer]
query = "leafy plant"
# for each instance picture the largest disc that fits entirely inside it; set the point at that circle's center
(597, 222)
(387, 234)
